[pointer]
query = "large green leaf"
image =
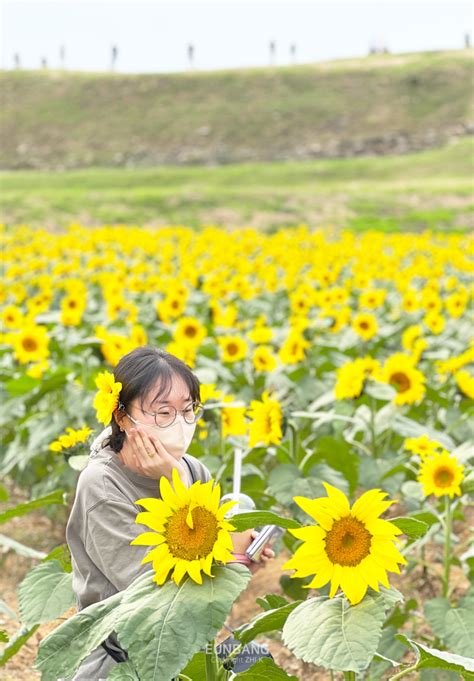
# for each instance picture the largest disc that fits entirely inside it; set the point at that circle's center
(63, 650)
(335, 635)
(270, 620)
(459, 634)
(412, 527)
(244, 521)
(45, 593)
(162, 628)
(264, 670)
(125, 671)
(435, 612)
(56, 497)
(196, 667)
(430, 658)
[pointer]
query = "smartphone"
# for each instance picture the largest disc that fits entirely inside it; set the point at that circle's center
(267, 532)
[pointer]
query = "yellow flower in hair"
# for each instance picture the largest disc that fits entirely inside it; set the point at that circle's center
(106, 400)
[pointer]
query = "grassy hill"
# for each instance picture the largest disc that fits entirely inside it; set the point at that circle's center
(370, 106)
(431, 189)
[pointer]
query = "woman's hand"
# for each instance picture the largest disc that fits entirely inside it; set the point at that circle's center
(147, 456)
(241, 542)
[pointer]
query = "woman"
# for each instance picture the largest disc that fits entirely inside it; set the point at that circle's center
(150, 431)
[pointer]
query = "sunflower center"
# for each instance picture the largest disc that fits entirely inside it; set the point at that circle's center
(348, 541)
(400, 381)
(443, 477)
(191, 543)
(29, 344)
(364, 325)
(232, 349)
(190, 331)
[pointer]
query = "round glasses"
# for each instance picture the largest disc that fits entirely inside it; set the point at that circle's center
(166, 416)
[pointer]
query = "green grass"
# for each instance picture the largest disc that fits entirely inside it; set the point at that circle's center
(427, 190)
(56, 120)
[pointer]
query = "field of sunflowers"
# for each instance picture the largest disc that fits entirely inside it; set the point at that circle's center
(339, 364)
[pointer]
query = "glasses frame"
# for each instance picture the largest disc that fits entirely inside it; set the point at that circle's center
(196, 405)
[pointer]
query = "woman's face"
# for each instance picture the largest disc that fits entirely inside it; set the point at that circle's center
(177, 436)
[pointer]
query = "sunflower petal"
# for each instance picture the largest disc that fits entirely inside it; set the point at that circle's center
(148, 539)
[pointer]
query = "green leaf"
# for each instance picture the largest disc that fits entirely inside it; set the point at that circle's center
(124, 671)
(335, 635)
(459, 633)
(196, 667)
(412, 527)
(22, 385)
(45, 593)
(163, 627)
(245, 521)
(430, 658)
(56, 497)
(264, 670)
(15, 643)
(271, 601)
(270, 620)
(435, 612)
(4, 638)
(62, 651)
(3, 493)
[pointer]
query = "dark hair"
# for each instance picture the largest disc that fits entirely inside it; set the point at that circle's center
(137, 371)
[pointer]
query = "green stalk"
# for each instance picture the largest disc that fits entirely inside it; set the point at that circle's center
(349, 676)
(212, 663)
(448, 524)
(293, 442)
(373, 436)
(406, 671)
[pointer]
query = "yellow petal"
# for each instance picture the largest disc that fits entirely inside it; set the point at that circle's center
(167, 493)
(335, 581)
(338, 499)
(353, 584)
(150, 520)
(314, 509)
(180, 488)
(160, 552)
(148, 539)
(206, 564)
(179, 570)
(194, 571)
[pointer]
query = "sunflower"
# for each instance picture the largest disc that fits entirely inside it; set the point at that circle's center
(422, 446)
(465, 383)
(185, 352)
(266, 416)
(233, 418)
(189, 331)
(365, 325)
(435, 322)
(399, 371)
(263, 358)
(107, 398)
(293, 349)
(12, 317)
(441, 474)
(372, 298)
(233, 348)
(31, 344)
(189, 529)
(350, 547)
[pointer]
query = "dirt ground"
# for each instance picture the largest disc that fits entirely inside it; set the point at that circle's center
(42, 533)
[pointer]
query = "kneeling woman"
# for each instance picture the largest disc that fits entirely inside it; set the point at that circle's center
(149, 433)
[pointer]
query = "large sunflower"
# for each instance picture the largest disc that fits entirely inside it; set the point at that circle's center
(189, 529)
(350, 547)
(441, 474)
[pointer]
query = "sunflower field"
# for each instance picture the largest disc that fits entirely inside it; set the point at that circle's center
(340, 364)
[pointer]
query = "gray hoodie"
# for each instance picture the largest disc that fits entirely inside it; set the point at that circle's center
(99, 530)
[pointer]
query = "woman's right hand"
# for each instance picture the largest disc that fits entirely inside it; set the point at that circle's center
(241, 540)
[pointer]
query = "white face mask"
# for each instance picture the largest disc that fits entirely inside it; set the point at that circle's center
(176, 438)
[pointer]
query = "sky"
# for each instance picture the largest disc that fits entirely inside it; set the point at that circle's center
(153, 35)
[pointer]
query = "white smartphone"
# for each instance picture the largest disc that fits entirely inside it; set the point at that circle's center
(267, 532)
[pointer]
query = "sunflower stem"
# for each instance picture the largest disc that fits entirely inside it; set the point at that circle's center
(293, 442)
(406, 671)
(373, 435)
(349, 676)
(212, 663)
(448, 523)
